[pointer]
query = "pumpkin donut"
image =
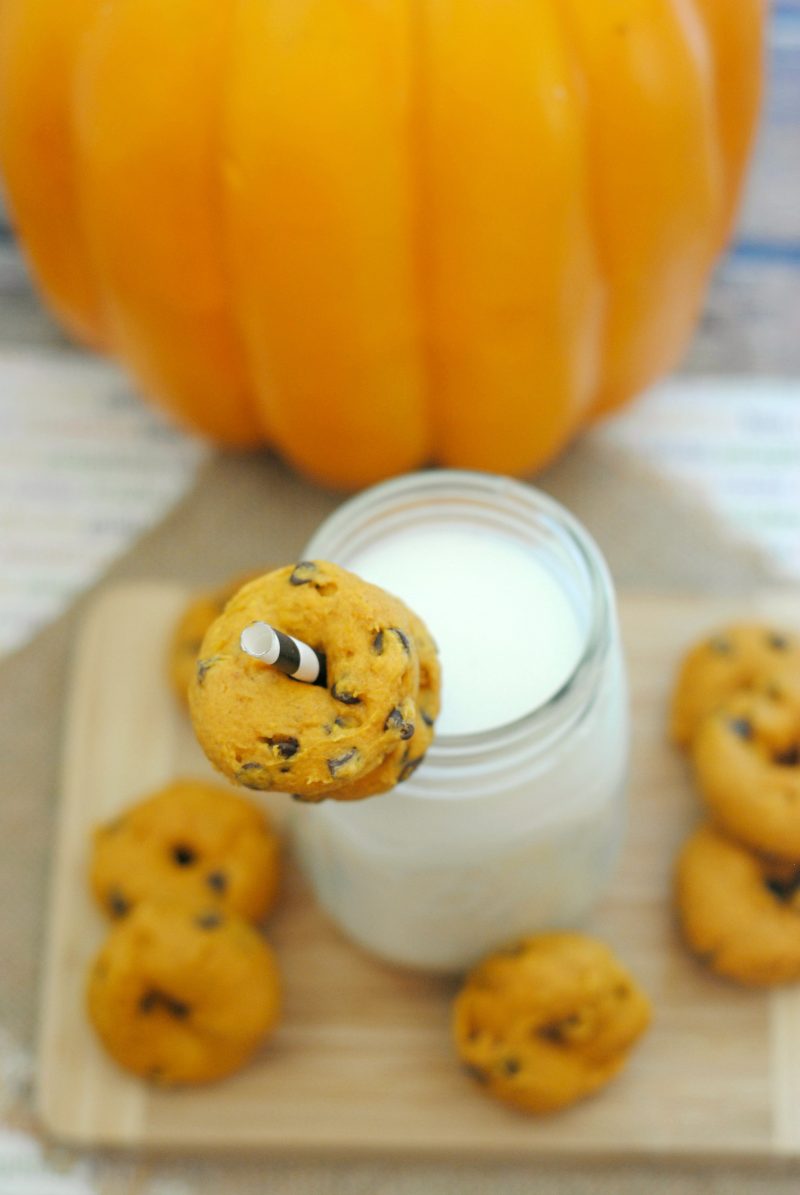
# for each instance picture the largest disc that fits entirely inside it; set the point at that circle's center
(747, 766)
(738, 657)
(548, 1021)
(363, 734)
(190, 841)
(187, 635)
(739, 911)
(183, 994)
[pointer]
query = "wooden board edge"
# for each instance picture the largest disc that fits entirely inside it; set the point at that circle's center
(54, 1104)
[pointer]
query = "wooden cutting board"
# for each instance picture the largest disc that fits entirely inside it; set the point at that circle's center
(363, 1061)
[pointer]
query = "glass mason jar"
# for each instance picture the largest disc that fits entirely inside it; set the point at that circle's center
(502, 832)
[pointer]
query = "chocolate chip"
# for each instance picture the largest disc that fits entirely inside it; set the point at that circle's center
(255, 786)
(217, 881)
(153, 999)
(789, 758)
(149, 1001)
(409, 768)
(248, 773)
(476, 1073)
(511, 1066)
(202, 667)
(553, 1032)
(401, 635)
(208, 921)
(176, 1008)
(557, 1031)
(396, 721)
(784, 890)
(118, 905)
(344, 696)
(741, 727)
(303, 572)
(777, 641)
(426, 718)
(285, 769)
(183, 855)
(284, 745)
(721, 646)
(335, 765)
(379, 642)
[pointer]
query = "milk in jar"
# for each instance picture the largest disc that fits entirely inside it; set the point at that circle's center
(514, 820)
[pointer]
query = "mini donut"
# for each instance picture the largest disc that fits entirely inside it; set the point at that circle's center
(183, 994)
(548, 1021)
(189, 841)
(739, 911)
(187, 635)
(363, 734)
(747, 766)
(738, 657)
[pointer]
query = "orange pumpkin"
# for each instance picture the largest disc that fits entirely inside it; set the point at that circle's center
(375, 233)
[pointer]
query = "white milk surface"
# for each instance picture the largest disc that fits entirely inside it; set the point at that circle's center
(508, 634)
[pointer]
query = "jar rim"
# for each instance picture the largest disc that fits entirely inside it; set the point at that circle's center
(529, 499)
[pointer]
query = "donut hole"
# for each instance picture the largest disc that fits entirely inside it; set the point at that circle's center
(183, 855)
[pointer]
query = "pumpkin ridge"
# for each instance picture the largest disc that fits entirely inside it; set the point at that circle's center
(654, 182)
(148, 183)
(734, 34)
(38, 47)
(319, 128)
(514, 286)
